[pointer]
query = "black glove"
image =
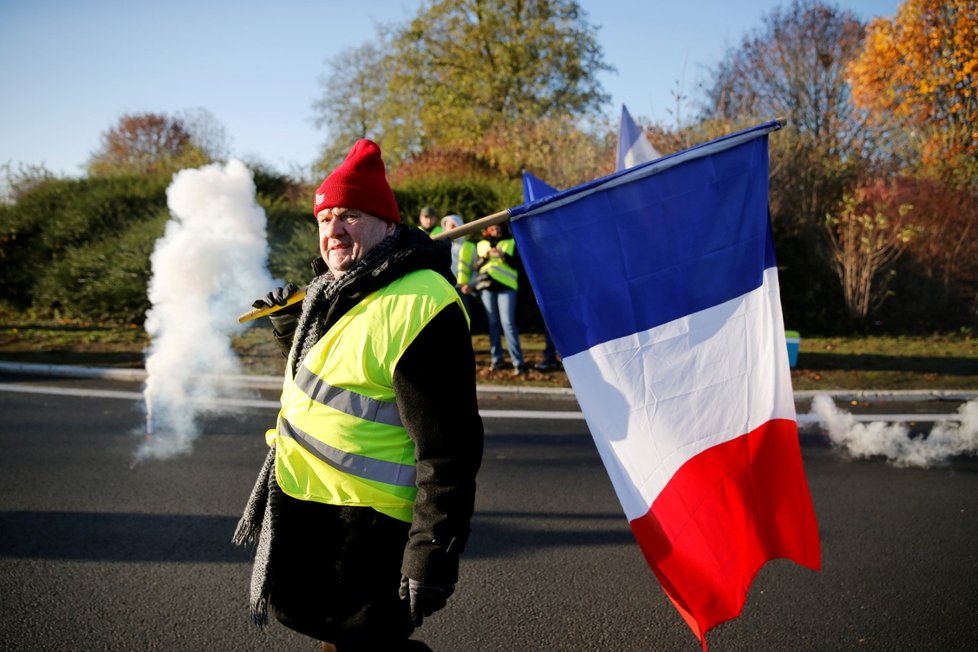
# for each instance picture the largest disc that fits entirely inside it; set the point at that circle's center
(284, 321)
(279, 297)
(425, 599)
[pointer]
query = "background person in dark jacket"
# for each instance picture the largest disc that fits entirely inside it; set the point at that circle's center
(345, 566)
(428, 221)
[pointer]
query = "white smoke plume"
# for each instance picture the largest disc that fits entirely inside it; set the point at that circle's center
(893, 441)
(209, 264)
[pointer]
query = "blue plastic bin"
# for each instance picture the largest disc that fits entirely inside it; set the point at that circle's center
(794, 339)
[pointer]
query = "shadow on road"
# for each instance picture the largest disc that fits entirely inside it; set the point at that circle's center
(92, 536)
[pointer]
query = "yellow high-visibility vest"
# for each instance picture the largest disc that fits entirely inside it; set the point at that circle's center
(466, 258)
(497, 268)
(339, 438)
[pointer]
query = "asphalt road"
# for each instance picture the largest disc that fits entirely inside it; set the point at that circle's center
(99, 554)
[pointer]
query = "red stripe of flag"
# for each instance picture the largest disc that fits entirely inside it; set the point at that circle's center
(722, 516)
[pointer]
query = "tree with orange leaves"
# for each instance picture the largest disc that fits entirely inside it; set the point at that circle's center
(155, 143)
(918, 76)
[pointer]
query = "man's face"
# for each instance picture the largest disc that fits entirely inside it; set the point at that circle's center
(346, 235)
(428, 221)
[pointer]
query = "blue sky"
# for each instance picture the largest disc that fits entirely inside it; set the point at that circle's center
(71, 68)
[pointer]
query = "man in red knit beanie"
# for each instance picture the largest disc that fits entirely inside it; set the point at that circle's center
(363, 504)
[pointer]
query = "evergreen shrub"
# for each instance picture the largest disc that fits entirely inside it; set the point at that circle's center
(47, 234)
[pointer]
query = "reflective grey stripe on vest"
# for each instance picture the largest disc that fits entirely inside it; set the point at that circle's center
(347, 402)
(508, 273)
(401, 475)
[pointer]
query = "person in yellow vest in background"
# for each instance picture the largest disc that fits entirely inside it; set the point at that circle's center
(428, 221)
(463, 256)
(364, 501)
(496, 263)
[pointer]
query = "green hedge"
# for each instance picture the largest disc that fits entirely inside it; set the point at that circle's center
(51, 229)
(80, 248)
(105, 279)
(293, 240)
(469, 199)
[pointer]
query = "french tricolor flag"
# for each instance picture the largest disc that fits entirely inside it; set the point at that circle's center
(659, 287)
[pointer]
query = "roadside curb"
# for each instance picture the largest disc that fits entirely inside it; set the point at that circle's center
(274, 382)
(891, 395)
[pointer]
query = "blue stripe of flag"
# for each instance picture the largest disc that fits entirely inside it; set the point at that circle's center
(629, 257)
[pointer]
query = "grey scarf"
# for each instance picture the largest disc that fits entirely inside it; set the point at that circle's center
(258, 522)
(256, 526)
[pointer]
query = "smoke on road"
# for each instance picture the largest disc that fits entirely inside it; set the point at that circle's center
(893, 440)
(206, 269)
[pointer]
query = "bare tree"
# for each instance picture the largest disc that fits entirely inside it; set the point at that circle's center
(796, 67)
(866, 235)
(354, 92)
(15, 183)
(206, 132)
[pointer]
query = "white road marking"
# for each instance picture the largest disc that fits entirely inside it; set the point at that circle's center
(568, 415)
(255, 403)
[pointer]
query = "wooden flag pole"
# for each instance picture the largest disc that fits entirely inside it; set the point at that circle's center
(458, 232)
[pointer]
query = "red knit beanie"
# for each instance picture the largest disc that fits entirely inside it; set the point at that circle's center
(359, 182)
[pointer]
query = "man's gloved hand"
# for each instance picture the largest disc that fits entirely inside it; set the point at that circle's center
(284, 321)
(425, 599)
(278, 297)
